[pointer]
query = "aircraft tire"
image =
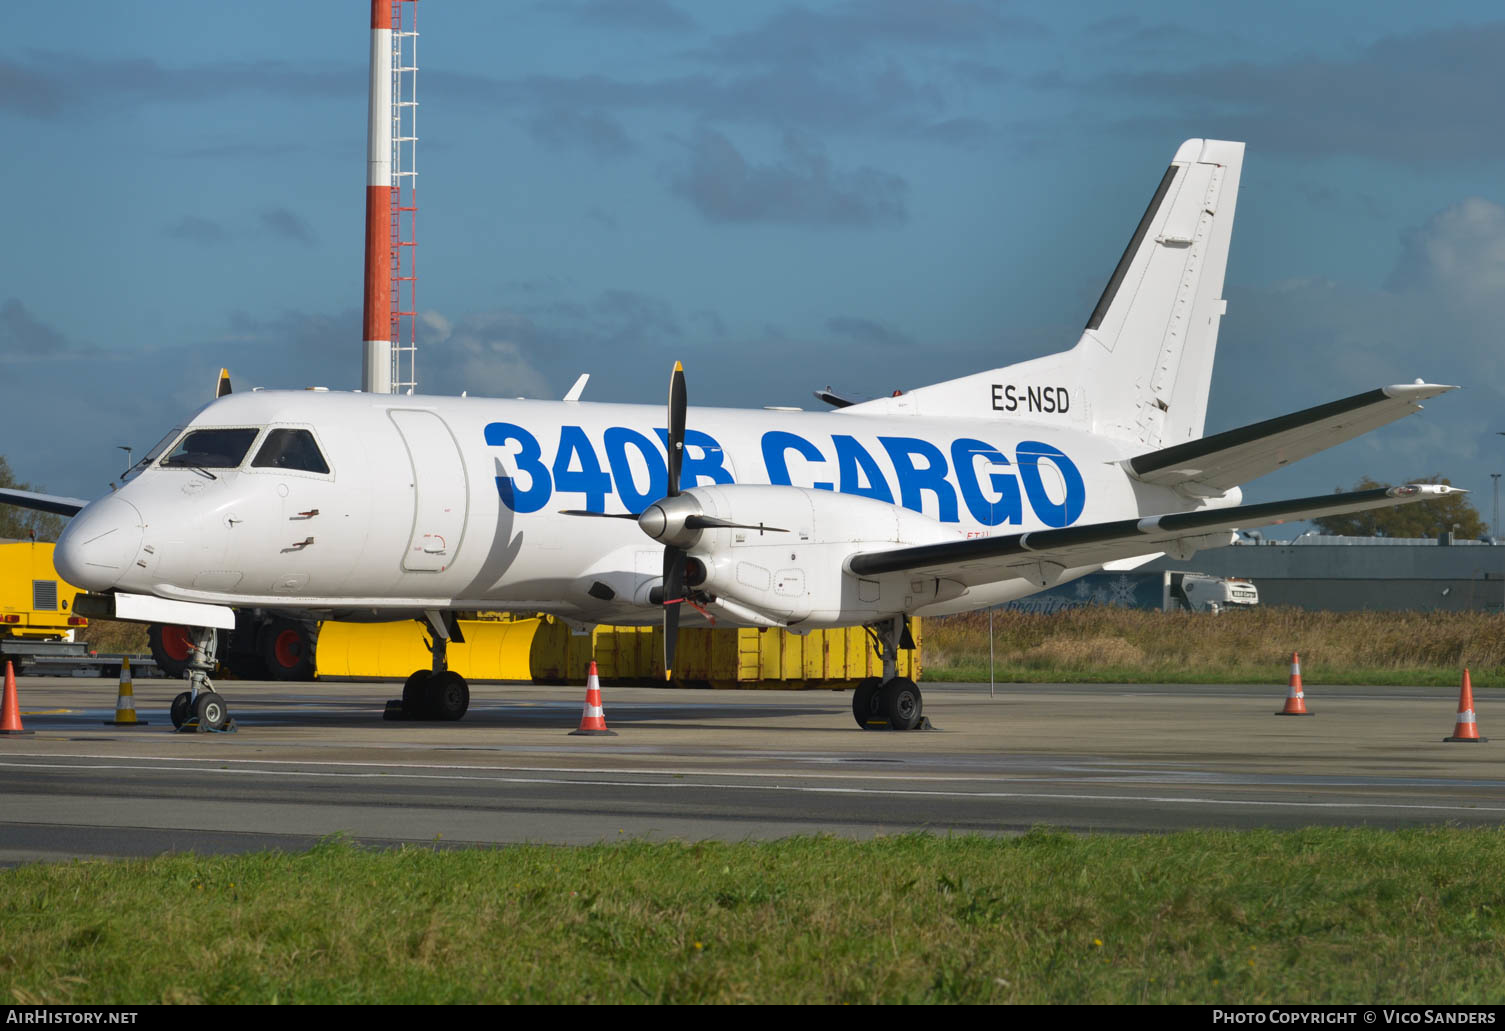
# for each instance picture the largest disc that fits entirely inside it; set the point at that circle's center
(448, 696)
(415, 698)
(211, 711)
(171, 648)
(287, 648)
(899, 700)
(181, 710)
(865, 702)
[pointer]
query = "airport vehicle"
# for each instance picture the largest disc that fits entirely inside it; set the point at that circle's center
(1202, 592)
(1163, 591)
(37, 621)
(951, 497)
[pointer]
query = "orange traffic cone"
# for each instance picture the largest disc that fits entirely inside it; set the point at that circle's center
(593, 718)
(125, 701)
(10, 708)
(1467, 727)
(1295, 697)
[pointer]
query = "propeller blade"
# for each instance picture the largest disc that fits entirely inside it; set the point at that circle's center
(674, 596)
(705, 522)
(676, 443)
(223, 386)
(598, 515)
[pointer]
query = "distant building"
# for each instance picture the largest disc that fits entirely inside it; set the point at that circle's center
(1351, 573)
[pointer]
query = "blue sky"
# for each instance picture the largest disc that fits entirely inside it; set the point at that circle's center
(868, 193)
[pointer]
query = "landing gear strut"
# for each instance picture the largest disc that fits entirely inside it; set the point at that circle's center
(200, 708)
(891, 702)
(437, 693)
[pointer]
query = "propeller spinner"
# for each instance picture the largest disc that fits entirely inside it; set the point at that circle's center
(675, 520)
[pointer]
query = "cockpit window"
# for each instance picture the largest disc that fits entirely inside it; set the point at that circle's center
(152, 455)
(290, 449)
(211, 449)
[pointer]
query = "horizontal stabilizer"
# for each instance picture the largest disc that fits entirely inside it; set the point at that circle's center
(1032, 555)
(1212, 465)
(41, 502)
(834, 399)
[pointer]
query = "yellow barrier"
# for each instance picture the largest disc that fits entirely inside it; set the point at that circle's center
(544, 650)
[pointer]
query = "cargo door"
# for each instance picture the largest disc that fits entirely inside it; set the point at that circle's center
(440, 492)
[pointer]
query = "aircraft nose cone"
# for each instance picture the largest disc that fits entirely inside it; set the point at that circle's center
(99, 544)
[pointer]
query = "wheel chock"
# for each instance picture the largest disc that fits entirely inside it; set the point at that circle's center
(191, 726)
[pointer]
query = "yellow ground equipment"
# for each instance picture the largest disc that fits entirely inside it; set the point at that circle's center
(34, 600)
(36, 606)
(545, 651)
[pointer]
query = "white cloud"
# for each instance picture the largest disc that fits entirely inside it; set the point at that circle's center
(1459, 251)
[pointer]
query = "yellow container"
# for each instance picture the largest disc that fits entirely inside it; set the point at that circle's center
(493, 650)
(545, 650)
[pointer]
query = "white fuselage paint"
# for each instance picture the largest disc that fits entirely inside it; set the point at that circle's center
(414, 513)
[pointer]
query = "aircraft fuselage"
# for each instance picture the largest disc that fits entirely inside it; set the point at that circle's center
(432, 502)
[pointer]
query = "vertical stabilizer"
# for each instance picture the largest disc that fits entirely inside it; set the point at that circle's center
(1155, 328)
(1143, 365)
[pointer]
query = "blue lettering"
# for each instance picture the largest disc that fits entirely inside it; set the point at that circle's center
(855, 465)
(1051, 513)
(618, 440)
(914, 480)
(527, 462)
(1008, 508)
(587, 477)
(776, 446)
(710, 463)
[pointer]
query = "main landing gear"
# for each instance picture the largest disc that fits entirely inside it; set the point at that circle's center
(200, 708)
(890, 702)
(437, 693)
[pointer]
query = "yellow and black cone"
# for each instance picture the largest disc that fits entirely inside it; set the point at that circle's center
(125, 702)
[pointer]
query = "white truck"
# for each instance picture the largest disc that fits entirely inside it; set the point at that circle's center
(1201, 592)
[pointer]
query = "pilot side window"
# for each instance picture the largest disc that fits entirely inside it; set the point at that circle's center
(290, 449)
(211, 449)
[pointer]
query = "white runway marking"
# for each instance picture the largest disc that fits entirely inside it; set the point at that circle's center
(478, 775)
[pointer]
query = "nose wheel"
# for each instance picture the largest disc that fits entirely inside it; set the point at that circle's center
(200, 709)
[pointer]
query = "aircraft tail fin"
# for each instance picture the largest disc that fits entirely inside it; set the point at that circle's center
(1142, 368)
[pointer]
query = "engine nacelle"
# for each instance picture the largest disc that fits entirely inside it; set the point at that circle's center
(797, 576)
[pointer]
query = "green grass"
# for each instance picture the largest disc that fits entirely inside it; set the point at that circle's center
(1100, 644)
(1337, 916)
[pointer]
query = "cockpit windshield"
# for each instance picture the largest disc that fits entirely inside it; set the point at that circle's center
(211, 449)
(152, 455)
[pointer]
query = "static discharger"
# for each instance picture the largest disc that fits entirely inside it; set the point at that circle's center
(1295, 696)
(125, 701)
(593, 717)
(1467, 727)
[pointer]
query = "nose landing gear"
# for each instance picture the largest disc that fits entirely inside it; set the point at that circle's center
(200, 709)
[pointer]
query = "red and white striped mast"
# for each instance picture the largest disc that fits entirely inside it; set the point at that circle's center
(376, 349)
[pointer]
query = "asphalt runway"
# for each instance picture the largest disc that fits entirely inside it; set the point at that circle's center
(311, 760)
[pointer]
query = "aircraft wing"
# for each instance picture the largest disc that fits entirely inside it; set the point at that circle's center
(1041, 555)
(1211, 465)
(41, 502)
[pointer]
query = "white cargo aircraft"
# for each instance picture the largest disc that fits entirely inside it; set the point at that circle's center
(951, 497)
